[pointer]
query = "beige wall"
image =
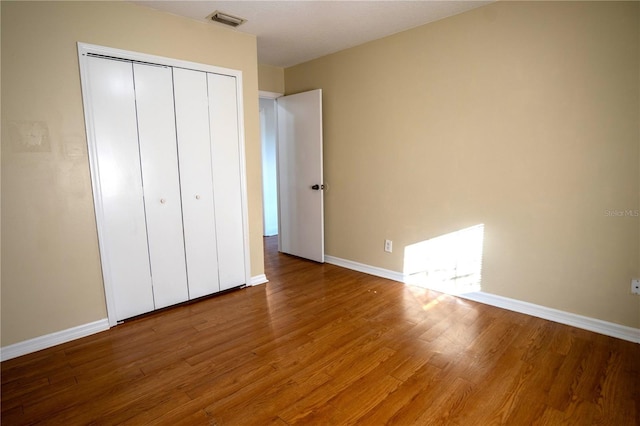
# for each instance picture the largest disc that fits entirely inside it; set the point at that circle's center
(270, 78)
(51, 277)
(520, 116)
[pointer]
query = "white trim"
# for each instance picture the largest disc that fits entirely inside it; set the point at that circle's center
(95, 184)
(592, 324)
(269, 95)
(53, 339)
(619, 331)
(367, 269)
(259, 279)
(85, 48)
(243, 174)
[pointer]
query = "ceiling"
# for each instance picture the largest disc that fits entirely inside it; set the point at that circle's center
(292, 32)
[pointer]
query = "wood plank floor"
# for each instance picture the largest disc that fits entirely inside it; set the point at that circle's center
(322, 345)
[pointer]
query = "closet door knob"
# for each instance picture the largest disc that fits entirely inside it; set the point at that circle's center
(197, 197)
(162, 201)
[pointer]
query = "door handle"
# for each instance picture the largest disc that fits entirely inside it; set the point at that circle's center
(317, 187)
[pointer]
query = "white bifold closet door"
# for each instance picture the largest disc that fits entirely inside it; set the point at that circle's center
(227, 192)
(166, 160)
(161, 183)
(194, 153)
(125, 256)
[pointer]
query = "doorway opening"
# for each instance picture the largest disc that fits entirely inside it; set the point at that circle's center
(268, 135)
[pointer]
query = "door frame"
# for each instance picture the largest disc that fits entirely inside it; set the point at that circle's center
(273, 96)
(84, 50)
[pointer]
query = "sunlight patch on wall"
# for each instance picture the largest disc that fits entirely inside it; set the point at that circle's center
(450, 263)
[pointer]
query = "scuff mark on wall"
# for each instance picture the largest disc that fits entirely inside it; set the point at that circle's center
(29, 136)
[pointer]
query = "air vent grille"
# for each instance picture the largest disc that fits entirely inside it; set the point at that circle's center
(226, 19)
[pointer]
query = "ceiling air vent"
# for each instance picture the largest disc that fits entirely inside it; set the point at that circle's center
(225, 18)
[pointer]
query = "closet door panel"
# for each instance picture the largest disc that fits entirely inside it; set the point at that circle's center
(158, 154)
(227, 190)
(123, 234)
(194, 157)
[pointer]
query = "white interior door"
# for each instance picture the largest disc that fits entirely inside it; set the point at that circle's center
(116, 170)
(227, 188)
(194, 154)
(159, 159)
(300, 184)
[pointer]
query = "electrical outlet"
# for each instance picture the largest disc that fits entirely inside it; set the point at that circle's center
(388, 246)
(635, 286)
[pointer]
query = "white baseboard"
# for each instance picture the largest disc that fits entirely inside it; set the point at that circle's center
(587, 323)
(592, 324)
(367, 269)
(59, 337)
(259, 279)
(49, 340)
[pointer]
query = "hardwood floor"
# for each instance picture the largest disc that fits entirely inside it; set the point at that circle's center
(322, 345)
